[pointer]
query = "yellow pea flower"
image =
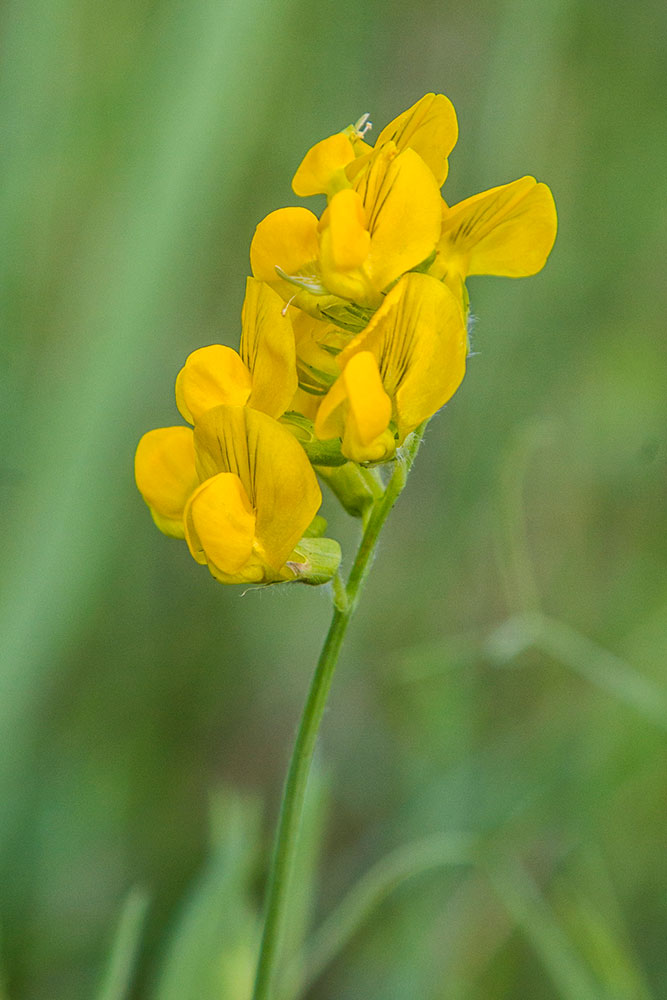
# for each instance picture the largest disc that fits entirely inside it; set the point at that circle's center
(242, 493)
(262, 375)
(429, 128)
(399, 196)
(508, 230)
(371, 233)
(257, 498)
(398, 372)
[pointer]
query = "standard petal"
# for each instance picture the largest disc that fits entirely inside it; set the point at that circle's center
(403, 213)
(267, 349)
(211, 376)
(164, 469)
(430, 128)
(220, 524)
(508, 230)
(276, 475)
(323, 166)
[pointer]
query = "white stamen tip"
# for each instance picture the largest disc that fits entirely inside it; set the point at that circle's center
(363, 125)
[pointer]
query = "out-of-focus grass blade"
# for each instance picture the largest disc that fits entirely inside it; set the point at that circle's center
(118, 978)
(599, 666)
(212, 951)
(604, 946)
(441, 850)
(515, 562)
(569, 974)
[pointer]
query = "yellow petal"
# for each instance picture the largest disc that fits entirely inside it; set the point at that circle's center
(369, 404)
(508, 230)
(403, 213)
(322, 167)
(287, 238)
(350, 240)
(330, 419)
(164, 469)
(418, 339)
(358, 410)
(276, 475)
(430, 128)
(220, 524)
(305, 404)
(367, 437)
(211, 376)
(344, 247)
(267, 349)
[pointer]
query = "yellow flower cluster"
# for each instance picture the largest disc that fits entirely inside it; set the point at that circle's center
(353, 334)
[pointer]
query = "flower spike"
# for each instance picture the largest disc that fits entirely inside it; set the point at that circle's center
(353, 335)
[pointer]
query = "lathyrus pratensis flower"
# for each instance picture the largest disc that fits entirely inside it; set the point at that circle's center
(383, 216)
(239, 488)
(353, 334)
(242, 493)
(403, 367)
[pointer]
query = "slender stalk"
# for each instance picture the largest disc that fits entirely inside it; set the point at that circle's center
(291, 810)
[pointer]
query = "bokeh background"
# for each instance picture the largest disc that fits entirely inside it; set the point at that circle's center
(496, 730)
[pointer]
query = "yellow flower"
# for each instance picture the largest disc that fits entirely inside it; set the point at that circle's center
(262, 375)
(508, 230)
(383, 216)
(386, 223)
(429, 128)
(242, 492)
(395, 374)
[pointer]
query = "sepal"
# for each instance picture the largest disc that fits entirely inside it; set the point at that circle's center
(320, 453)
(356, 487)
(315, 560)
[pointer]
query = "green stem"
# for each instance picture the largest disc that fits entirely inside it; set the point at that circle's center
(291, 810)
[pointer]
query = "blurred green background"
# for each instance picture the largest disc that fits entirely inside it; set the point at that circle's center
(505, 676)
